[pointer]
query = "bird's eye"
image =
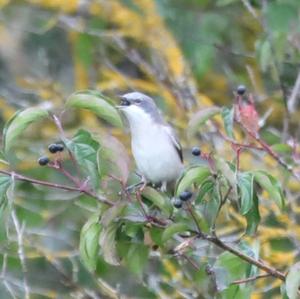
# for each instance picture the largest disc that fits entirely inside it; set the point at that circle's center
(125, 102)
(137, 101)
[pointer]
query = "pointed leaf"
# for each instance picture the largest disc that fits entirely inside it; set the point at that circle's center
(226, 171)
(271, 185)
(293, 282)
(227, 115)
(245, 183)
(174, 229)
(89, 242)
(192, 175)
(108, 244)
(253, 217)
(19, 122)
(206, 187)
(137, 258)
(200, 118)
(84, 149)
(97, 103)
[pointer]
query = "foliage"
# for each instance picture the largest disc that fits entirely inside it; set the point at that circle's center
(71, 228)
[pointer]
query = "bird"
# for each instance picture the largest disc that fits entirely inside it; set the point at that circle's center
(155, 147)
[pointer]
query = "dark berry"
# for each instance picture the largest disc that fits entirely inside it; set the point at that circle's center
(177, 203)
(55, 147)
(196, 151)
(185, 195)
(241, 89)
(59, 147)
(43, 161)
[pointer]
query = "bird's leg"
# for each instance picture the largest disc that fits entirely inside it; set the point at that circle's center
(139, 194)
(134, 186)
(163, 187)
(141, 183)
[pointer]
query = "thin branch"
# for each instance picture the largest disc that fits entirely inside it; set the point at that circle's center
(260, 264)
(249, 279)
(23, 178)
(268, 149)
(190, 261)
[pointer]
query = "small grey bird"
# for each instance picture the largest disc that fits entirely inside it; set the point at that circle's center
(155, 148)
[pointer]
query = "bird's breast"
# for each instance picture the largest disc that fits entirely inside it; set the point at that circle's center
(155, 154)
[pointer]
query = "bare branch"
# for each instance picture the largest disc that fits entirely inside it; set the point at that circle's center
(20, 177)
(250, 279)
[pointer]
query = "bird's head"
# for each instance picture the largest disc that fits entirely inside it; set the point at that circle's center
(139, 108)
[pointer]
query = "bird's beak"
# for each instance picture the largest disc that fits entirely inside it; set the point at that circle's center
(124, 103)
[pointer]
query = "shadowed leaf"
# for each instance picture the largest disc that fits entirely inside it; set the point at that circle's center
(158, 200)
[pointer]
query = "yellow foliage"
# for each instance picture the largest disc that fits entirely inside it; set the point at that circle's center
(3, 3)
(68, 6)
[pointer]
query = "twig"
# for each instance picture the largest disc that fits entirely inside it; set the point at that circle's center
(191, 261)
(64, 138)
(261, 265)
(268, 149)
(249, 279)
(23, 178)
(190, 210)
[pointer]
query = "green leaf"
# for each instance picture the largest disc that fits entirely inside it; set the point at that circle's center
(89, 242)
(108, 244)
(282, 148)
(229, 268)
(3, 158)
(206, 187)
(162, 202)
(137, 257)
(5, 182)
(195, 174)
(245, 183)
(97, 103)
(212, 204)
(200, 118)
(19, 123)
(237, 292)
(226, 171)
(271, 185)
(292, 283)
(112, 213)
(253, 217)
(264, 52)
(174, 229)
(228, 115)
(83, 48)
(84, 149)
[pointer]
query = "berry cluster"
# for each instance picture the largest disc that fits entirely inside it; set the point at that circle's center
(53, 149)
(183, 197)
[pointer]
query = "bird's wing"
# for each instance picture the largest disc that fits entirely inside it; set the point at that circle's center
(175, 141)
